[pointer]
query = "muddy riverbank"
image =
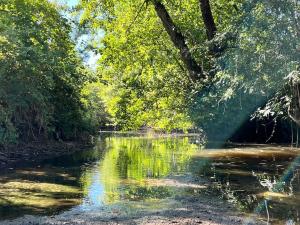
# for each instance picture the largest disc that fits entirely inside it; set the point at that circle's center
(191, 210)
(16, 156)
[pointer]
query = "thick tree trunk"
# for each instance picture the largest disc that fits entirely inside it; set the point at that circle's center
(195, 70)
(208, 19)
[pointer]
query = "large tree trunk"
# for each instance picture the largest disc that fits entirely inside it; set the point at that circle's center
(195, 70)
(208, 19)
(215, 49)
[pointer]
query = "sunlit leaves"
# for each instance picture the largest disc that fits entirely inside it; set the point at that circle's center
(148, 83)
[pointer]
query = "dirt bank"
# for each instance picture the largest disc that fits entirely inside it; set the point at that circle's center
(23, 154)
(185, 210)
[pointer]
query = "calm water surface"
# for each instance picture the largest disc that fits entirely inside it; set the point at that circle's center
(140, 172)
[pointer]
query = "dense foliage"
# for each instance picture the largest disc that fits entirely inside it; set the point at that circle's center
(254, 76)
(147, 80)
(41, 74)
(167, 65)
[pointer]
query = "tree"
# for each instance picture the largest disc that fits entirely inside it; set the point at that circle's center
(41, 74)
(255, 75)
(209, 62)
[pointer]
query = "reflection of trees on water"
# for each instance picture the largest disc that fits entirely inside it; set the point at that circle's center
(129, 162)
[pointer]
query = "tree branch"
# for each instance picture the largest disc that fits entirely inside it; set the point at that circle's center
(208, 19)
(215, 49)
(195, 70)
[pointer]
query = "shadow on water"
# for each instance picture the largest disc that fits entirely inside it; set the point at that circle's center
(44, 189)
(260, 179)
(136, 173)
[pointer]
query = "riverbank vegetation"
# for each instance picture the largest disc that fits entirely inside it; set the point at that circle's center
(228, 68)
(222, 66)
(41, 76)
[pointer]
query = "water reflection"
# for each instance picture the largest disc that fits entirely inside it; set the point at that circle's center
(130, 163)
(138, 172)
(118, 169)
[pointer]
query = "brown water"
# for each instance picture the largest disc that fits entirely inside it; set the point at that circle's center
(144, 171)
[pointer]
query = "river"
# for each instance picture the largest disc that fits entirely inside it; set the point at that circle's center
(132, 174)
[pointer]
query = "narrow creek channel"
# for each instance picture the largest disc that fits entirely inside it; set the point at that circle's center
(131, 174)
